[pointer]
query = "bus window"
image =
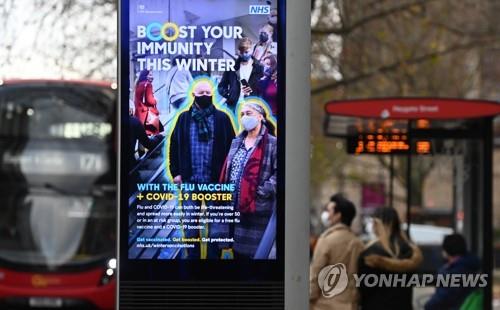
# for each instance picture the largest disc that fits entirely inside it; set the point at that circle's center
(57, 176)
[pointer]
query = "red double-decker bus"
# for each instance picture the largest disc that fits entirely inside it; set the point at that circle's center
(57, 190)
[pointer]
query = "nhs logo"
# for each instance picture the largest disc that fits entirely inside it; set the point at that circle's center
(259, 10)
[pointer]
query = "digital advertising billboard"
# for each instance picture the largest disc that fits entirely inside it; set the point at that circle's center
(213, 154)
(202, 122)
(201, 142)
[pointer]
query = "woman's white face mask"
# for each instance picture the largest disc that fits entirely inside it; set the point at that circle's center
(370, 228)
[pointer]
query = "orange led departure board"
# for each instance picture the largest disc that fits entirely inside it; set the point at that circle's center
(386, 143)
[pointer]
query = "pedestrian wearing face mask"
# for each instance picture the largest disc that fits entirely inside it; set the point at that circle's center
(336, 245)
(269, 83)
(252, 166)
(244, 81)
(395, 255)
(198, 146)
(265, 46)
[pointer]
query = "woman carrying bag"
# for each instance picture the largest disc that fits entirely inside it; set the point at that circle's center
(145, 103)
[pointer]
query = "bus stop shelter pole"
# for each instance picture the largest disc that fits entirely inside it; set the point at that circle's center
(487, 220)
(408, 181)
(391, 184)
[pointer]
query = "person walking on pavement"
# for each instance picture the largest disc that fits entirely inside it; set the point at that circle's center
(337, 245)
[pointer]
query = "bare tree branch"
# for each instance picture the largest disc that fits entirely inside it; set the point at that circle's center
(346, 29)
(396, 65)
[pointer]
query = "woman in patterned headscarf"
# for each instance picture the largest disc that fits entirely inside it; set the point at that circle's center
(252, 166)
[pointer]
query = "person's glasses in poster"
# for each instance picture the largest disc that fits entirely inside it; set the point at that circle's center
(203, 130)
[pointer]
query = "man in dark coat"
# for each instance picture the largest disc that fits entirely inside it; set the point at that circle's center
(198, 147)
(244, 81)
(458, 262)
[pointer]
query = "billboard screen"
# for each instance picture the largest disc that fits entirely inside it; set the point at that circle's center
(200, 130)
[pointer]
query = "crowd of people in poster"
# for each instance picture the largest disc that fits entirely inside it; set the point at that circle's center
(218, 126)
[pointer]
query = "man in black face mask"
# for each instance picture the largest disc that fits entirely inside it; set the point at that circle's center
(199, 145)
